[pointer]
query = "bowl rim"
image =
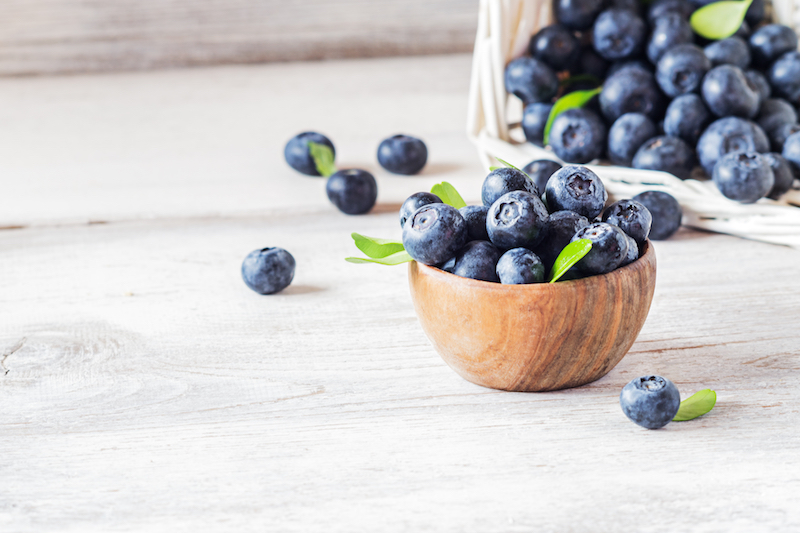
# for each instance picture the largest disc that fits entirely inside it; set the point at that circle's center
(448, 277)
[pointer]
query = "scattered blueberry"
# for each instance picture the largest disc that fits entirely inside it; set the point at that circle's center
(755, 13)
(631, 217)
(578, 135)
(577, 14)
(626, 135)
(556, 46)
(268, 270)
(730, 51)
(743, 176)
(475, 217)
(577, 189)
(477, 260)
(791, 152)
(644, 66)
(297, 154)
(776, 112)
(504, 180)
(687, 116)
(784, 179)
(650, 401)
(618, 34)
(414, 202)
(759, 83)
(669, 154)
(770, 42)
(591, 63)
(666, 213)
(727, 93)
(784, 75)
(520, 266)
(631, 90)
(662, 8)
(669, 30)
(778, 136)
(434, 233)
(534, 119)
(402, 154)
(353, 191)
(726, 135)
(516, 220)
(681, 69)
(558, 232)
(530, 80)
(540, 171)
(609, 248)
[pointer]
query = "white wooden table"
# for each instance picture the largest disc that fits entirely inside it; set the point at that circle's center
(145, 388)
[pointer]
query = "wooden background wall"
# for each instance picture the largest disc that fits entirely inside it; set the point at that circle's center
(63, 36)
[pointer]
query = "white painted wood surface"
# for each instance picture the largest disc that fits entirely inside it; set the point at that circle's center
(145, 388)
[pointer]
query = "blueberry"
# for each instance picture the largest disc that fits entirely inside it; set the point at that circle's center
(618, 34)
(778, 136)
(784, 75)
(609, 248)
(669, 30)
(578, 189)
(268, 270)
(730, 51)
(743, 176)
(540, 171)
(633, 252)
(631, 90)
(650, 401)
(477, 260)
(743, 32)
(755, 13)
(434, 233)
(668, 154)
(297, 154)
(504, 180)
(626, 135)
(558, 232)
(353, 191)
(617, 66)
(770, 42)
(631, 217)
(402, 154)
(687, 116)
(414, 202)
(578, 135)
(727, 93)
(681, 69)
(475, 216)
(590, 62)
(666, 213)
(530, 80)
(631, 5)
(556, 46)
(726, 135)
(577, 14)
(516, 220)
(775, 112)
(759, 83)
(784, 179)
(791, 152)
(662, 8)
(519, 266)
(534, 119)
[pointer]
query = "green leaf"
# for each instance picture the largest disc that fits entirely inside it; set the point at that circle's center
(323, 158)
(696, 405)
(568, 101)
(376, 248)
(509, 165)
(571, 254)
(493, 168)
(394, 259)
(719, 20)
(448, 194)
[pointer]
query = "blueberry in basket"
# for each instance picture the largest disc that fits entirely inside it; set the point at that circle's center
(627, 134)
(578, 135)
(540, 170)
(667, 154)
(402, 154)
(744, 176)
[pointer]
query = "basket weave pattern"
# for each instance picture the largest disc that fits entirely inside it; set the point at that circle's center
(504, 30)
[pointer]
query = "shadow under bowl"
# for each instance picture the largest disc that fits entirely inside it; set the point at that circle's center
(537, 337)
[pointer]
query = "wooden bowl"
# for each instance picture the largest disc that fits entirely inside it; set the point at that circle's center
(538, 337)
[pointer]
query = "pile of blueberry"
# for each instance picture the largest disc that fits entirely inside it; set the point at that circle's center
(515, 236)
(670, 100)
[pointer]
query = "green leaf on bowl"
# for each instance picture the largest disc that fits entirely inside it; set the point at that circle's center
(323, 158)
(571, 254)
(376, 248)
(568, 101)
(719, 20)
(448, 194)
(696, 405)
(394, 259)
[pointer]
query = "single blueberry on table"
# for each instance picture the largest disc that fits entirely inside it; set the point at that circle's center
(578, 189)
(434, 233)
(475, 217)
(668, 154)
(730, 51)
(556, 46)
(609, 248)
(540, 171)
(631, 90)
(516, 220)
(268, 270)
(669, 30)
(477, 260)
(727, 92)
(618, 34)
(297, 152)
(558, 232)
(662, 8)
(770, 42)
(726, 135)
(577, 14)
(687, 116)
(353, 191)
(414, 202)
(402, 154)
(743, 176)
(665, 211)
(504, 180)
(778, 136)
(520, 266)
(784, 76)
(759, 83)
(681, 69)
(530, 80)
(534, 119)
(631, 217)
(650, 401)
(775, 112)
(626, 135)
(578, 135)
(784, 179)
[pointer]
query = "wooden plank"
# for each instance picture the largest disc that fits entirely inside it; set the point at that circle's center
(57, 36)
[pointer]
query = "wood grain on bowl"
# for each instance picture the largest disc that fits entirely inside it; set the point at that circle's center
(538, 337)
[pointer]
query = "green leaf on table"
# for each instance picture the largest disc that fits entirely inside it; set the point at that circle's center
(696, 405)
(376, 248)
(571, 254)
(394, 259)
(448, 194)
(323, 158)
(568, 101)
(719, 20)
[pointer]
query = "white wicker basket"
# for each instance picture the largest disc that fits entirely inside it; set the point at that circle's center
(504, 30)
